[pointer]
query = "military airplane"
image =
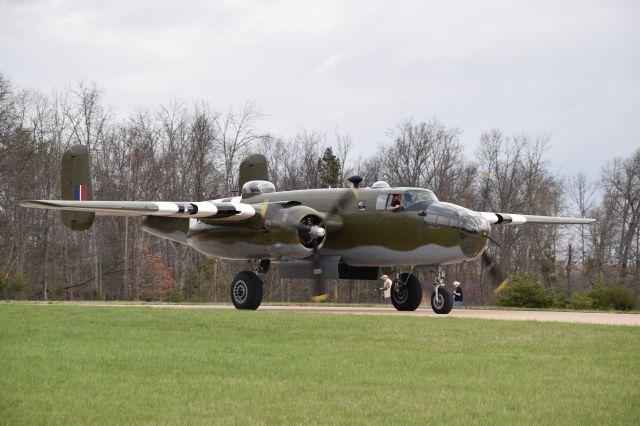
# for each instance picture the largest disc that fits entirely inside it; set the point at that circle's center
(318, 234)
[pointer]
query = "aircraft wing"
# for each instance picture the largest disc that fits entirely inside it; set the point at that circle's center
(519, 219)
(223, 211)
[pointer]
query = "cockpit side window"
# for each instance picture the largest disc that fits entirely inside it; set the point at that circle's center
(418, 198)
(381, 201)
(412, 199)
(408, 199)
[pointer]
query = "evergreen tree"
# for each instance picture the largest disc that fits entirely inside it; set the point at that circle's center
(329, 169)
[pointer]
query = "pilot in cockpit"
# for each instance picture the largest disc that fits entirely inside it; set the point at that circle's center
(396, 203)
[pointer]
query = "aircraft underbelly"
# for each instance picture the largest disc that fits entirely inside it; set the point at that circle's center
(430, 254)
(236, 251)
(243, 243)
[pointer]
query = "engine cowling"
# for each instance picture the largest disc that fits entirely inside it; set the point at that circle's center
(295, 232)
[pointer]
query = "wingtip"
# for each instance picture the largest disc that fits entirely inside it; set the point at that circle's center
(29, 203)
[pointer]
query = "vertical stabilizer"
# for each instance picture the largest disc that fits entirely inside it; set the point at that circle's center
(75, 184)
(254, 167)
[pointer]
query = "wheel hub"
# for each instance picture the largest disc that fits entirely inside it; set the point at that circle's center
(438, 300)
(240, 291)
(401, 293)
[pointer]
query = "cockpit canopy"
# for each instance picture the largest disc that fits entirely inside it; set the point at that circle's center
(410, 199)
(418, 199)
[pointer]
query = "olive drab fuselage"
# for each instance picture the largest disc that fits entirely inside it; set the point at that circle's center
(362, 233)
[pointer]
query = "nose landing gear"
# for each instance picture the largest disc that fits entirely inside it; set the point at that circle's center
(441, 299)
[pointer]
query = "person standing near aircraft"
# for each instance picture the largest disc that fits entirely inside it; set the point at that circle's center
(457, 294)
(385, 290)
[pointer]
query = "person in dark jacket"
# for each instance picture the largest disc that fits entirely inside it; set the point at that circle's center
(457, 294)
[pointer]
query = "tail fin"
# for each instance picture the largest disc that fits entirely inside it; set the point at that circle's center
(254, 167)
(75, 184)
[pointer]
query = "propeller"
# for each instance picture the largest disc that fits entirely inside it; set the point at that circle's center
(344, 200)
(312, 233)
(498, 278)
(319, 281)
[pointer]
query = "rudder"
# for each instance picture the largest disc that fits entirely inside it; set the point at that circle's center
(75, 184)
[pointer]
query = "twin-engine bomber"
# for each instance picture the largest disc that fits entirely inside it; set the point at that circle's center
(318, 234)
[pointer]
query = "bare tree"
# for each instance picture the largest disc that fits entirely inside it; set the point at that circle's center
(523, 183)
(201, 168)
(235, 132)
(582, 194)
(344, 145)
(621, 181)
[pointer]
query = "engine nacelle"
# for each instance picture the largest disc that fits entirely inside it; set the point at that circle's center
(294, 232)
(278, 232)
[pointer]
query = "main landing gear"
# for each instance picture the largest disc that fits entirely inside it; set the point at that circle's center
(247, 287)
(406, 293)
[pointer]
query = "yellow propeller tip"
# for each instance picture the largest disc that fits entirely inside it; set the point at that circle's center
(320, 298)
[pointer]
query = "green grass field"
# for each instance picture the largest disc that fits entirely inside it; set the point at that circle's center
(97, 365)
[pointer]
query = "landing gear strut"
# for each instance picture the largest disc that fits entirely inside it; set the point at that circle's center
(441, 300)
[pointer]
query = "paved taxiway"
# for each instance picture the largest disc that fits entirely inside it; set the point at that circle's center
(605, 318)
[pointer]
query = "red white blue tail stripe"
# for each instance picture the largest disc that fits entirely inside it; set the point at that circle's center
(80, 192)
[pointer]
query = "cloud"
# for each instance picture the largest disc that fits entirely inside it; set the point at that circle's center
(331, 63)
(568, 68)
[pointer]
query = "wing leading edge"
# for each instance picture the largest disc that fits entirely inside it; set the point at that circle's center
(519, 219)
(226, 211)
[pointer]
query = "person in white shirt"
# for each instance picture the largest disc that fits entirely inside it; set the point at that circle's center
(385, 290)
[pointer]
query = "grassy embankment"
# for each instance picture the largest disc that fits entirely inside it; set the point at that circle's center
(73, 364)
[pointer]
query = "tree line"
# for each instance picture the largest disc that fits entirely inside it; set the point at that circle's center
(181, 151)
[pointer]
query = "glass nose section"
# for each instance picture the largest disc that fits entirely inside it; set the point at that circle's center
(475, 225)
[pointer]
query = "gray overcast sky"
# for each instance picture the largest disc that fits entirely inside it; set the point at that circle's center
(567, 68)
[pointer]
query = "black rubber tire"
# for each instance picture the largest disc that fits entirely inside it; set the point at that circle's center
(444, 303)
(406, 297)
(246, 291)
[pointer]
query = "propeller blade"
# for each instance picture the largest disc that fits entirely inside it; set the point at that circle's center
(317, 232)
(493, 270)
(343, 202)
(319, 281)
(493, 241)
